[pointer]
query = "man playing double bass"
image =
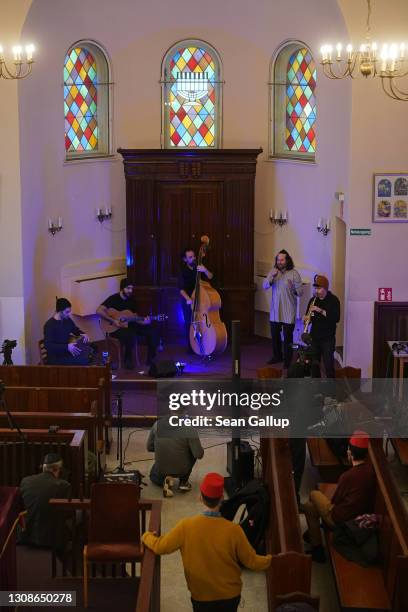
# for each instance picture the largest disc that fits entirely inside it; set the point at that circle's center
(187, 281)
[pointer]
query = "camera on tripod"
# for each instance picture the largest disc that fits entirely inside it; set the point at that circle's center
(6, 349)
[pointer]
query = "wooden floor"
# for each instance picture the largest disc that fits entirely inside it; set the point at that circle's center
(138, 389)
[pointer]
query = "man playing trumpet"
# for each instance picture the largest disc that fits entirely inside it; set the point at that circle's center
(324, 312)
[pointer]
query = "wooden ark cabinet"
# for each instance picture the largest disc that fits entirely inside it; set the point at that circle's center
(172, 199)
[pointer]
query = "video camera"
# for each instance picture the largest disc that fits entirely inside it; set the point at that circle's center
(6, 349)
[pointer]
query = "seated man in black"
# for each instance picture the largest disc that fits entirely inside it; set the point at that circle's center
(58, 334)
(127, 335)
(43, 527)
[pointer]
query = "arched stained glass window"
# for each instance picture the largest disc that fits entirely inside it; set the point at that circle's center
(191, 94)
(86, 101)
(294, 103)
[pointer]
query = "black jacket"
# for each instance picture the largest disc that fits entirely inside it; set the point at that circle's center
(325, 326)
(42, 527)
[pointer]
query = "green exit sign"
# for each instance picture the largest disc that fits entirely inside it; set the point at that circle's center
(358, 231)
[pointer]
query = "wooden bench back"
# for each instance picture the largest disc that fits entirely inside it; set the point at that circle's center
(59, 376)
(394, 529)
(19, 459)
(62, 399)
(64, 420)
(291, 569)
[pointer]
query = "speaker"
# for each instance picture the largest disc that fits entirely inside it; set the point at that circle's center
(245, 461)
(163, 369)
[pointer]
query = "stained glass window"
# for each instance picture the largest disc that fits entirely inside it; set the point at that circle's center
(85, 101)
(301, 102)
(192, 96)
(294, 103)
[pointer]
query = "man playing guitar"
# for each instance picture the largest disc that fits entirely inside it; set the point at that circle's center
(126, 327)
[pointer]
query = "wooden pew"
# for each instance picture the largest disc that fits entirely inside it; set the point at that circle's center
(67, 400)
(65, 420)
(400, 446)
(324, 460)
(19, 459)
(59, 376)
(382, 587)
(291, 570)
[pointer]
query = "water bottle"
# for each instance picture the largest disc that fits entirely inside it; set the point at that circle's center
(105, 357)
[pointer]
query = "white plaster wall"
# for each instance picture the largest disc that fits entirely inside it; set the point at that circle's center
(379, 144)
(11, 256)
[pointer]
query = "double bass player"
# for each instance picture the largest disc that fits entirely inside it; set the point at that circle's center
(187, 282)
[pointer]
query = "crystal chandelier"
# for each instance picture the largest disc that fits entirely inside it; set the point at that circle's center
(388, 63)
(21, 69)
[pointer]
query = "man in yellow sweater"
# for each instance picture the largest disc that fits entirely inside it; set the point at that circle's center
(213, 550)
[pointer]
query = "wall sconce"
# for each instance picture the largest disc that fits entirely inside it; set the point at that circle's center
(323, 226)
(103, 215)
(53, 228)
(278, 218)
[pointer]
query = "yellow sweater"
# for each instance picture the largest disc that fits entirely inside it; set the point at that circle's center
(212, 550)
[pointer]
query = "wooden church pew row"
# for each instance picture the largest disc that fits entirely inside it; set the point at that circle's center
(61, 399)
(22, 458)
(291, 569)
(324, 460)
(330, 467)
(382, 587)
(64, 420)
(400, 446)
(59, 376)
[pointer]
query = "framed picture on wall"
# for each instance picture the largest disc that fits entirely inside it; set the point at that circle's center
(390, 198)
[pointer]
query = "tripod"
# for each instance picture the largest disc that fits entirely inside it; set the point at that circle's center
(10, 418)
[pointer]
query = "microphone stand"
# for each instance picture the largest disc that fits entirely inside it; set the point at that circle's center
(120, 469)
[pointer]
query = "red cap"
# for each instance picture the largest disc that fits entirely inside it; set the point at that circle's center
(212, 485)
(360, 439)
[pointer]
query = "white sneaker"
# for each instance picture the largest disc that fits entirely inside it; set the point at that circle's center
(185, 486)
(167, 487)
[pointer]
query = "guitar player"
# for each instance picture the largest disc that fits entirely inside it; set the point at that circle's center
(120, 302)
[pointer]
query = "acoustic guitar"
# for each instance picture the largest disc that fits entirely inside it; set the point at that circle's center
(124, 317)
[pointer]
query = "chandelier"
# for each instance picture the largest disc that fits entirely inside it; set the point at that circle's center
(21, 69)
(389, 63)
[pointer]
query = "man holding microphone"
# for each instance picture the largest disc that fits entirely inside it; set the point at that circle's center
(286, 285)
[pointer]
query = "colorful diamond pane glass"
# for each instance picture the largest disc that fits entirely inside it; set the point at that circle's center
(80, 101)
(301, 103)
(192, 122)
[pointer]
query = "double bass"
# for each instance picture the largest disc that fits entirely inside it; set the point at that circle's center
(208, 334)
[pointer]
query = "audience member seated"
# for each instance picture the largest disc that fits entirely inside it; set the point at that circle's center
(213, 551)
(175, 456)
(354, 495)
(58, 335)
(42, 527)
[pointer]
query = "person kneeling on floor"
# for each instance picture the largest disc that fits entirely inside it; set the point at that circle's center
(175, 454)
(213, 551)
(354, 495)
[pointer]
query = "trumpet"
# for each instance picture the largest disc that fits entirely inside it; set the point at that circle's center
(306, 337)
